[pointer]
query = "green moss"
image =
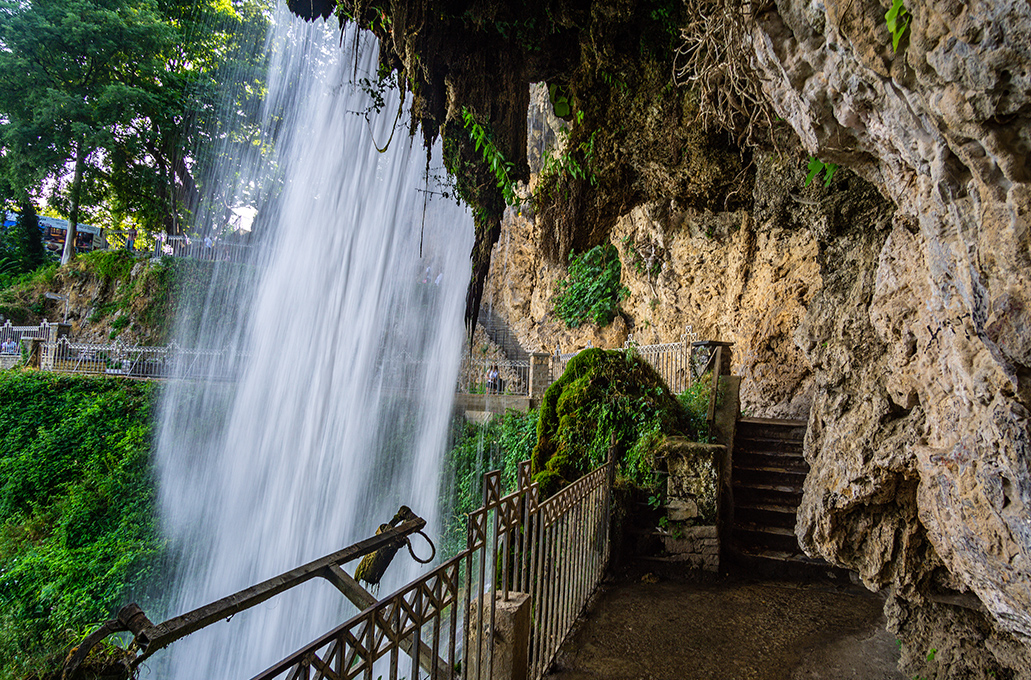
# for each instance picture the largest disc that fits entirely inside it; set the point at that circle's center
(601, 394)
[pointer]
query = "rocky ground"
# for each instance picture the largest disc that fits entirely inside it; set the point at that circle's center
(733, 628)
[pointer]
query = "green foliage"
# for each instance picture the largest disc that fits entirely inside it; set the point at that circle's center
(499, 444)
(152, 301)
(816, 166)
(591, 290)
(560, 103)
(21, 245)
(897, 19)
(604, 393)
(114, 265)
(492, 156)
(77, 531)
(695, 402)
(130, 92)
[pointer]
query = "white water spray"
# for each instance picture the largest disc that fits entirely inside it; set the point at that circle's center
(352, 344)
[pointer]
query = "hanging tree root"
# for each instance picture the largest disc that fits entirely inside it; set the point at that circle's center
(715, 58)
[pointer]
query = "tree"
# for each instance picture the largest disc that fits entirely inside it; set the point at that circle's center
(114, 105)
(28, 238)
(73, 73)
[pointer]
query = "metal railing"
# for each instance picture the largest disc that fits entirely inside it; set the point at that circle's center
(11, 336)
(480, 377)
(443, 625)
(546, 556)
(137, 361)
(670, 360)
(202, 249)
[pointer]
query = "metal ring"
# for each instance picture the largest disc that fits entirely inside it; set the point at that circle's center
(433, 549)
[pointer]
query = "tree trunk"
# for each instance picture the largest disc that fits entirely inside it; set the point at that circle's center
(73, 220)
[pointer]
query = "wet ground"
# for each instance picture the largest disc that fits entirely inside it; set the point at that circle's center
(643, 627)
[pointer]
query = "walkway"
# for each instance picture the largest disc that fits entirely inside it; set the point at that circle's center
(647, 628)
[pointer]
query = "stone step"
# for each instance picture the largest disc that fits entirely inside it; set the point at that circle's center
(778, 476)
(767, 445)
(770, 428)
(753, 459)
(785, 564)
(758, 536)
(766, 514)
(766, 494)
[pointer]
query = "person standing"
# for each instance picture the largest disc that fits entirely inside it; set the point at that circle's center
(130, 239)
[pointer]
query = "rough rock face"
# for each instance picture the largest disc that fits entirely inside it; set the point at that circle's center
(937, 395)
(745, 277)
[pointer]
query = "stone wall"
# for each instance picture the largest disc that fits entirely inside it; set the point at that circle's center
(691, 534)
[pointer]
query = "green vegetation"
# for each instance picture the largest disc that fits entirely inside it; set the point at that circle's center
(897, 19)
(147, 303)
(560, 103)
(78, 537)
(591, 290)
(499, 444)
(816, 166)
(575, 163)
(604, 393)
(113, 110)
(492, 156)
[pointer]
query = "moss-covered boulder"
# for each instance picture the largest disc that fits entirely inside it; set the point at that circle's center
(600, 393)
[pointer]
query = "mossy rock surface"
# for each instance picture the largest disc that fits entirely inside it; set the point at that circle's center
(600, 393)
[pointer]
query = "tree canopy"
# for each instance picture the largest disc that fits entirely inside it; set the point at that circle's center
(113, 106)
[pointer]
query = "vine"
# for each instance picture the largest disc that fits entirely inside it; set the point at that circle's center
(492, 156)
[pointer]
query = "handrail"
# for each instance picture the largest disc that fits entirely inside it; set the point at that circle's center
(150, 638)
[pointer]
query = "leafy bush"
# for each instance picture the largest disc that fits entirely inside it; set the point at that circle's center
(695, 401)
(604, 393)
(112, 264)
(499, 444)
(591, 290)
(78, 537)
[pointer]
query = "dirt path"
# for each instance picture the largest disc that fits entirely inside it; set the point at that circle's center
(734, 629)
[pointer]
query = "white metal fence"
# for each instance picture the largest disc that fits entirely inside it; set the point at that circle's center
(202, 249)
(495, 377)
(11, 336)
(672, 360)
(170, 361)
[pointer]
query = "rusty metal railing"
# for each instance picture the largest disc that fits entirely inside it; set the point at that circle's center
(148, 638)
(550, 553)
(441, 626)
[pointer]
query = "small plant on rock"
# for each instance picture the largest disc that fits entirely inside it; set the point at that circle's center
(897, 18)
(816, 166)
(591, 291)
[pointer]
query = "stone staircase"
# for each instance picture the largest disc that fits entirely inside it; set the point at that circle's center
(767, 476)
(500, 334)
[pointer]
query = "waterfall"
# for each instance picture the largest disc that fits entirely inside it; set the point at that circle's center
(349, 340)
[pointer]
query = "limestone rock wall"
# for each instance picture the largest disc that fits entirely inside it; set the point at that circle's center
(919, 436)
(896, 314)
(746, 277)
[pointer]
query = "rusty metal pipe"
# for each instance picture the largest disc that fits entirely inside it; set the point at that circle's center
(150, 638)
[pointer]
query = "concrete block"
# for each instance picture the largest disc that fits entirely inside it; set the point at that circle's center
(510, 638)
